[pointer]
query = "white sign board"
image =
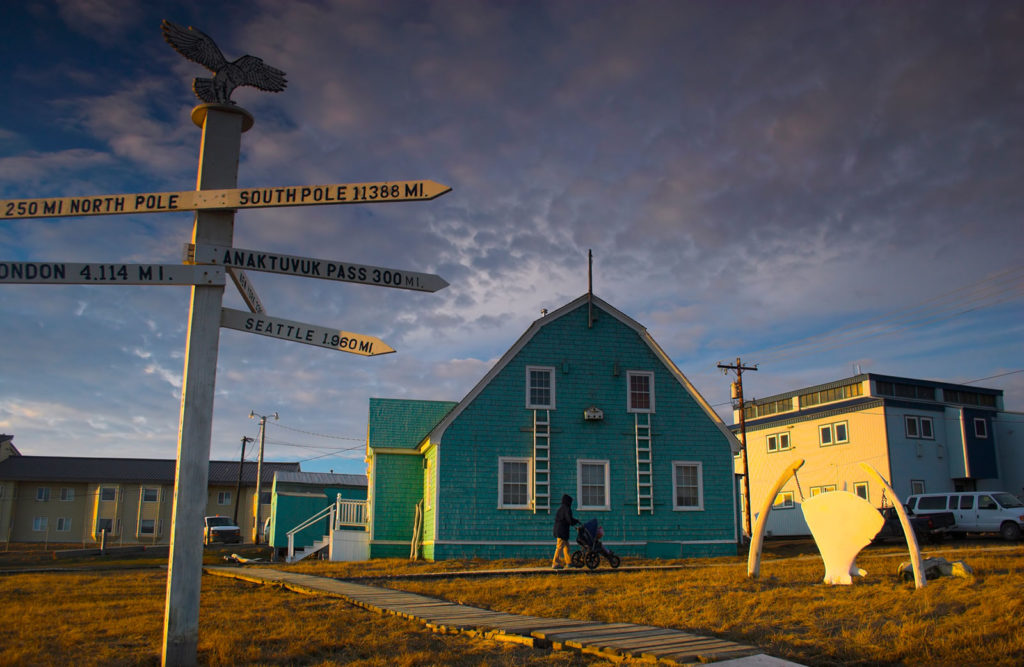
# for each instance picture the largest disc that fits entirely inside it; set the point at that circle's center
(300, 332)
(307, 267)
(194, 200)
(245, 288)
(74, 273)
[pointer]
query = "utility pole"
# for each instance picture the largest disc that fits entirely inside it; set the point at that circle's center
(259, 467)
(238, 486)
(738, 394)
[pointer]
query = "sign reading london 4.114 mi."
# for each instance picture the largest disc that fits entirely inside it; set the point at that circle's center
(194, 200)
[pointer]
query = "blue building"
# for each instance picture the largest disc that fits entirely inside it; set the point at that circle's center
(584, 403)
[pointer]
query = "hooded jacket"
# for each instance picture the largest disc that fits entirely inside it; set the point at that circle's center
(564, 518)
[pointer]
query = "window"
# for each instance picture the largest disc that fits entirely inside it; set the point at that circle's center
(513, 483)
(986, 503)
(980, 428)
(778, 442)
(829, 395)
(150, 495)
(825, 488)
(540, 387)
(67, 495)
(39, 524)
(916, 486)
(105, 524)
(592, 485)
(969, 398)
(641, 391)
(903, 390)
(688, 482)
(919, 427)
(834, 434)
(63, 524)
(784, 501)
(223, 497)
(42, 493)
(861, 489)
(147, 527)
(108, 493)
(752, 410)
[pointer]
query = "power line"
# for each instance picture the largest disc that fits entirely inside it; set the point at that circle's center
(319, 435)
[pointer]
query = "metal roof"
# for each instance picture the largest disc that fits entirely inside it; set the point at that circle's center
(85, 469)
(320, 478)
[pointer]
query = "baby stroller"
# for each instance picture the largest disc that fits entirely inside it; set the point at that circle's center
(588, 536)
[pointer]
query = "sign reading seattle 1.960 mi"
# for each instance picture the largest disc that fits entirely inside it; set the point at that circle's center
(307, 267)
(300, 332)
(194, 200)
(74, 273)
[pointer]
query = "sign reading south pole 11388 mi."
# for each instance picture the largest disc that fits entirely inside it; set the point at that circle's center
(236, 198)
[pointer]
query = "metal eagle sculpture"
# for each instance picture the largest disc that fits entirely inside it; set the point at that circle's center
(246, 71)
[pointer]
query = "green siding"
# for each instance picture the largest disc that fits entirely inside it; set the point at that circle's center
(401, 423)
(397, 486)
(497, 423)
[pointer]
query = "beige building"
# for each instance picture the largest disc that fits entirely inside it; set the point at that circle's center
(76, 500)
(923, 436)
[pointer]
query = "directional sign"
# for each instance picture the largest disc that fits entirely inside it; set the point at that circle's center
(272, 262)
(300, 332)
(193, 200)
(73, 273)
(249, 295)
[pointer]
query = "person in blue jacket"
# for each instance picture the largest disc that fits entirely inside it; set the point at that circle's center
(563, 519)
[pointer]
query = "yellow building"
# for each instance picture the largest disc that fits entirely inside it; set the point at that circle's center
(78, 500)
(921, 435)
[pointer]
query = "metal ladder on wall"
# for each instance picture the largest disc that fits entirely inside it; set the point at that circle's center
(541, 461)
(644, 465)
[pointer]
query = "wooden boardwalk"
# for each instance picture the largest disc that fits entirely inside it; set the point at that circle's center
(610, 640)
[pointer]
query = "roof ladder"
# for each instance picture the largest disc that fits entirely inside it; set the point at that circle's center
(542, 461)
(644, 465)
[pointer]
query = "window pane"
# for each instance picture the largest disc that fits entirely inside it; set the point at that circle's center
(826, 435)
(773, 443)
(108, 493)
(540, 387)
(146, 527)
(783, 441)
(592, 484)
(687, 486)
(515, 483)
(640, 392)
(841, 432)
(926, 428)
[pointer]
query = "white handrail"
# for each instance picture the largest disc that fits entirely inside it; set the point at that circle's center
(327, 512)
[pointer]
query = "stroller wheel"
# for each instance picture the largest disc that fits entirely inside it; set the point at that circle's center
(592, 559)
(614, 560)
(577, 559)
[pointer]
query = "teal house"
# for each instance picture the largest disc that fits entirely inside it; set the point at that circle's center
(585, 403)
(297, 496)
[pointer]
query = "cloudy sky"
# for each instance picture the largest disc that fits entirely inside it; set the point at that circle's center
(816, 187)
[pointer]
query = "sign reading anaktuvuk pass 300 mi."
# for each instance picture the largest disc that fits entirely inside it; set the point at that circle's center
(194, 200)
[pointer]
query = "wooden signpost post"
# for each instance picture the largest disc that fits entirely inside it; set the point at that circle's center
(215, 200)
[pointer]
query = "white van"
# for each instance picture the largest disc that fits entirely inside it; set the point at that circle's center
(975, 511)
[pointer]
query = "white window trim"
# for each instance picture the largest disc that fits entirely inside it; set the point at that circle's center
(772, 443)
(983, 433)
(867, 490)
(43, 491)
(40, 524)
(907, 421)
(223, 498)
(607, 485)
(788, 501)
(150, 488)
(551, 373)
(917, 487)
(931, 427)
(108, 488)
(835, 436)
(789, 441)
(629, 394)
(143, 532)
(63, 524)
(699, 507)
(502, 460)
(67, 494)
(826, 428)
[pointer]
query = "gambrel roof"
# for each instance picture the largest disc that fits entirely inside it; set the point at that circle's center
(437, 433)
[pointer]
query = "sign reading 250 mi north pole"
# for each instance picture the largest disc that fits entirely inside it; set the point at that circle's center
(195, 200)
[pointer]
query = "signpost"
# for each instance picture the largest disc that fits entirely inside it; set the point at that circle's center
(307, 267)
(215, 200)
(248, 292)
(300, 332)
(221, 199)
(71, 273)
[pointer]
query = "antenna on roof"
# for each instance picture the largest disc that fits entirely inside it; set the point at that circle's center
(590, 289)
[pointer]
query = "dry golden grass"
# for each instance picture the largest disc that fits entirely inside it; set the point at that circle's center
(116, 618)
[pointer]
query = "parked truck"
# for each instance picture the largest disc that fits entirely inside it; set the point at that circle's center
(927, 527)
